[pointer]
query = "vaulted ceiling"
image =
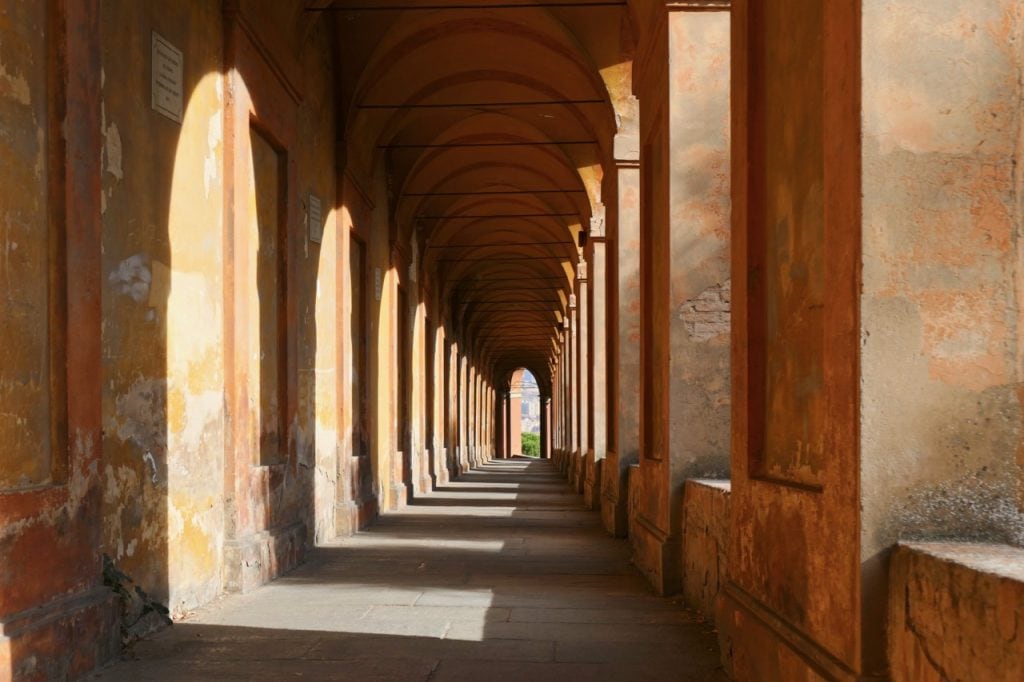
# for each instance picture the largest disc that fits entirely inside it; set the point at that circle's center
(494, 123)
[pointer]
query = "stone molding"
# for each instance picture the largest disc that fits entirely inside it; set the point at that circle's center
(698, 5)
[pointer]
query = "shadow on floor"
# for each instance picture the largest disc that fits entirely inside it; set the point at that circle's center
(516, 582)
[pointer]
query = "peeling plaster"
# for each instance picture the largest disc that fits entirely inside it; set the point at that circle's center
(15, 85)
(132, 278)
(214, 135)
(141, 417)
(706, 316)
(114, 151)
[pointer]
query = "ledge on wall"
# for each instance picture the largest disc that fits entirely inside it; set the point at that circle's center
(956, 611)
(706, 510)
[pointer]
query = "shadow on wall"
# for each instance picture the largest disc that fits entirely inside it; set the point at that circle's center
(201, 316)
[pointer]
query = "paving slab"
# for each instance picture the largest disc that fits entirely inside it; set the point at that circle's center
(499, 575)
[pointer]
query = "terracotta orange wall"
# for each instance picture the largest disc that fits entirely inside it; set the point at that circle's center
(50, 484)
(26, 332)
(791, 605)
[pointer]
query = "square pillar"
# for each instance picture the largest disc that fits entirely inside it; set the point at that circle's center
(597, 367)
(624, 348)
(582, 367)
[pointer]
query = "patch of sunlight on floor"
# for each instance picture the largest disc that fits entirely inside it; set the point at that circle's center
(398, 609)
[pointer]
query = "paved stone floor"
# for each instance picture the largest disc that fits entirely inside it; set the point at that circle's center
(500, 575)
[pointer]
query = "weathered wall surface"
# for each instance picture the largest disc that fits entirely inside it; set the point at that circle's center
(50, 582)
(699, 219)
(27, 456)
(163, 338)
(941, 416)
(790, 608)
(319, 416)
(685, 213)
(954, 612)
(940, 409)
(165, 519)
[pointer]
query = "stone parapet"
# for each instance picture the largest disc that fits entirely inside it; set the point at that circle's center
(956, 612)
(706, 511)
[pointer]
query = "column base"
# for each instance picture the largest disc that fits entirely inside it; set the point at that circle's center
(614, 514)
(427, 480)
(592, 481)
(64, 639)
(399, 495)
(354, 515)
(579, 462)
(442, 476)
(759, 645)
(657, 554)
(257, 559)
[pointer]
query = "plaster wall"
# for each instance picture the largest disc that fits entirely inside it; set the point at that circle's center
(940, 410)
(179, 518)
(163, 298)
(700, 232)
(28, 234)
(686, 140)
(50, 485)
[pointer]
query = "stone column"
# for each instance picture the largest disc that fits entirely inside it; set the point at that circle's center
(582, 372)
(597, 367)
(515, 419)
(471, 416)
(545, 427)
(572, 388)
(501, 425)
(624, 375)
(556, 410)
(568, 423)
(462, 455)
(451, 398)
(684, 429)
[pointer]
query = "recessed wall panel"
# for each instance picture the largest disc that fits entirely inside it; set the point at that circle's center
(32, 354)
(788, 246)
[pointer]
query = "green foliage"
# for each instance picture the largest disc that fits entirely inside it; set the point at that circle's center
(531, 445)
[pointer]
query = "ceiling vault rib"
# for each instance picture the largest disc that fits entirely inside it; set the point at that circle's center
(473, 145)
(494, 192)
(464, 6)
(497, 215)
(519, 279)
(502, 259)
(480, 105)
(496, 244)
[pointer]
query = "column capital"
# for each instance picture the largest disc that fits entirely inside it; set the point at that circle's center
(626, 150)
(597, 222)
(581, 272)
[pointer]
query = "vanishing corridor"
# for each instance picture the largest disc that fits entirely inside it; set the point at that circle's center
(291, 291)
(500, 575)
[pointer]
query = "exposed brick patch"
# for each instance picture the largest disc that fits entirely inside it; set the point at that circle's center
(707, 316)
